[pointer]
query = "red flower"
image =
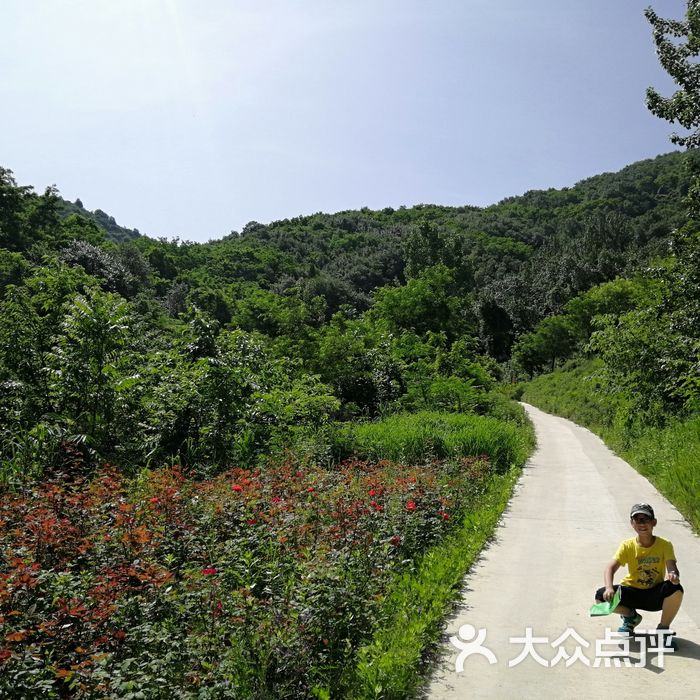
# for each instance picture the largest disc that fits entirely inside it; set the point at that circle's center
(155, 499)
(411, 505)
(395, 540)
(444, 516)
(251, 521)
(276, 499)
(236, 487)
(311, 489)
(372, 492)
(209, 571)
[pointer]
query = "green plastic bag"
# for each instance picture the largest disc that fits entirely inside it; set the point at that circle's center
(606, 608)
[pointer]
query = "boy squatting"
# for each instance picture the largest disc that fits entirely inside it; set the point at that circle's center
(652, 582)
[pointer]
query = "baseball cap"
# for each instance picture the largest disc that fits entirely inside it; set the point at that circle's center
(642, 508)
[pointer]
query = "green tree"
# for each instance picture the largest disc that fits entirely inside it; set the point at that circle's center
(551, 340)
(355, 358)
(12, 205)
(425, 303)
(679, 59)
(85, 360)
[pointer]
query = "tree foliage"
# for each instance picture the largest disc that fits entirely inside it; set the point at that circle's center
(150, 350)
(678, 48)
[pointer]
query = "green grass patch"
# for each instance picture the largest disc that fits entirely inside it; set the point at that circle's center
(669, 455)
(417, 437)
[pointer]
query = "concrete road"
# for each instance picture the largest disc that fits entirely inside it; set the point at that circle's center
(569, 511)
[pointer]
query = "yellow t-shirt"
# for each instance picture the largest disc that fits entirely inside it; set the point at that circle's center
(646, 565)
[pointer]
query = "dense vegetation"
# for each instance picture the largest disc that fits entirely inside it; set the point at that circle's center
(186, 455)
(184, 425)
(206, 354)
(257, 467)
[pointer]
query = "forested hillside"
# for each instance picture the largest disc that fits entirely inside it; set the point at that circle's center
(260, 466)
(107, 223)
(206, 442)
(109, 345)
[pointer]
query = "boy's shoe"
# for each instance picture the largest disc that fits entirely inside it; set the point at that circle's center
(629, 623)
(667, 640)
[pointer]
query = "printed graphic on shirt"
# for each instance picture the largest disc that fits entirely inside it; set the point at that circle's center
(646, 577)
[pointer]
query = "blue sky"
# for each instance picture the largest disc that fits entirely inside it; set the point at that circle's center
(189, 119)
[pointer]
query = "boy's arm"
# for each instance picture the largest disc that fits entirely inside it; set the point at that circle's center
(672, 571)
(608, 574)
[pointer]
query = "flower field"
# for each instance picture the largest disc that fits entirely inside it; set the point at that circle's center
(253, 584)
(257, 583)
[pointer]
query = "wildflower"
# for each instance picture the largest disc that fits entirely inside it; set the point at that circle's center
(209, 571)
(411, 505)
(444, 515)
(155, 499)
(236, 487)
(251, 521)
(276, 499)
(372, 492)
(311, 489)
(395, 540)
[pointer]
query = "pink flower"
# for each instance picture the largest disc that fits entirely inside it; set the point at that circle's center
(411, 505)
(155, 499)
(209, 571)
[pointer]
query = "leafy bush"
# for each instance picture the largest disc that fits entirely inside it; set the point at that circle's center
(254, 584)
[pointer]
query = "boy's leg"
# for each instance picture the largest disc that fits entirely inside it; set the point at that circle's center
(624, 611)
(671, 606)
(630, 617)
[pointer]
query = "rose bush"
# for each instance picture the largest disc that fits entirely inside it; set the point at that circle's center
(256, 583)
